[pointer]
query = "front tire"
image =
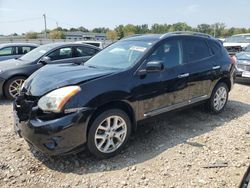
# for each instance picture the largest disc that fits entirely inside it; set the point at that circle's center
(13, 87)
(219, 98)
(109, 133)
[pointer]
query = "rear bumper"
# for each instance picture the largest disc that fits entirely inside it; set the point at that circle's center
(59, 136)
(241, 78)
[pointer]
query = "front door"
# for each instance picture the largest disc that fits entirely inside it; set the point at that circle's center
(161, 91)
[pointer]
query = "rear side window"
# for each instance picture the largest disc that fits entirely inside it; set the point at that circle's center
(6, 51)
(24, 49)
(195, 49)
(215, 47)
(85, 51)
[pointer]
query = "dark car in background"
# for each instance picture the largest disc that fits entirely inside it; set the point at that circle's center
(243, 65)
(15, 50)
(61, 108)
(14, 72)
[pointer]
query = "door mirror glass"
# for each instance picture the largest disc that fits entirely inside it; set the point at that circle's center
(154, 66)
(45, 60)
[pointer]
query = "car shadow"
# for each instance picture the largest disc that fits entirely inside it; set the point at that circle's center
(4, 101)
(150, 140)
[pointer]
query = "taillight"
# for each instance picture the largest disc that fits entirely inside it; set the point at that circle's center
(233, 59)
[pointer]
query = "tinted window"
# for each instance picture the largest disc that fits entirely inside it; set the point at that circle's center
(85, 51)
(248, 49)
(195, 49)
(169, 53)
(24, 49)
(6, 51)
(62, 53)
(215, 47)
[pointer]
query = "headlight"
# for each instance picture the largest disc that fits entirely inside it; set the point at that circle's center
(55, 100)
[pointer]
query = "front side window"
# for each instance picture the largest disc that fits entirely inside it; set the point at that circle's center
(120, 55)
(169, 53)
(84, 51)
(62, 53)
(195, 49)
(6, 51)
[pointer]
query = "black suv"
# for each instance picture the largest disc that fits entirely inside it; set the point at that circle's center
(62, 108)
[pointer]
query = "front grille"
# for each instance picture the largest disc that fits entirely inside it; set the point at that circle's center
(243, 67)
(233, 49)
(24, 105)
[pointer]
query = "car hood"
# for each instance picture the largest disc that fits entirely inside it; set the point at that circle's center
(243, 56)
(11, 64)
(230, 44)
(51, 77)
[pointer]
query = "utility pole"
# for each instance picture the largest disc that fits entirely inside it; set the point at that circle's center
(214, 30)
(45, 25)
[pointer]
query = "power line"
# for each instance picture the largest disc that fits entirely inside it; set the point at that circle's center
(22, 20)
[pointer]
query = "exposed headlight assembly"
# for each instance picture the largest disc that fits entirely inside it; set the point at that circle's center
(55, 100)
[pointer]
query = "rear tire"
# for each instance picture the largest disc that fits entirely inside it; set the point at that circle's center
(109, 133)
(13, 86)
(219, 98)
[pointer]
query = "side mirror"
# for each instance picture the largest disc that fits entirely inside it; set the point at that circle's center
(154, 66)
(45, 60)
(151, 66)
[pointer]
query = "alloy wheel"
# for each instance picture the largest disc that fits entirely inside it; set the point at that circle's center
(15, 87)
(220, 98)
(110, 134)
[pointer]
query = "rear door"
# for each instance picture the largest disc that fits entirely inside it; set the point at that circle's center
(7, 53)
(198, 65)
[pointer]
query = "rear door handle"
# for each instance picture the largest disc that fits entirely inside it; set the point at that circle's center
(216, 67)
(183, 75)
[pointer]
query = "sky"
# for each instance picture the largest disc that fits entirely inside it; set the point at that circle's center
(21, 16)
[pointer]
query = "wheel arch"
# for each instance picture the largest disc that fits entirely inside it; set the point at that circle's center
(5, 82)
(226, 81)
(122, 105)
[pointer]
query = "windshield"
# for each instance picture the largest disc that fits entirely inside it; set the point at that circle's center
(239, 39)
(248, 48)
(36, 53)
(120, 55)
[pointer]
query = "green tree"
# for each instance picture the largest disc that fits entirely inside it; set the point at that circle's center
(160, 28)
(112, 35)
(31, 35)
(100, 30)
(55, 34)
(205, 28)
(82, 29)
(119, 31)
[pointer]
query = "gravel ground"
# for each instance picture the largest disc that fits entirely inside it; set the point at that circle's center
(188, 148)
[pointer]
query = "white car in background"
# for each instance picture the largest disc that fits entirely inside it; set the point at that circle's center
(98, 44)
(237, 43)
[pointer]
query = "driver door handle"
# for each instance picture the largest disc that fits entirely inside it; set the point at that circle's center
(183, 75)
(216, 67)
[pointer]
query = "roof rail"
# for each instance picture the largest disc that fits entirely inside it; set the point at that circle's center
(187, 33)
